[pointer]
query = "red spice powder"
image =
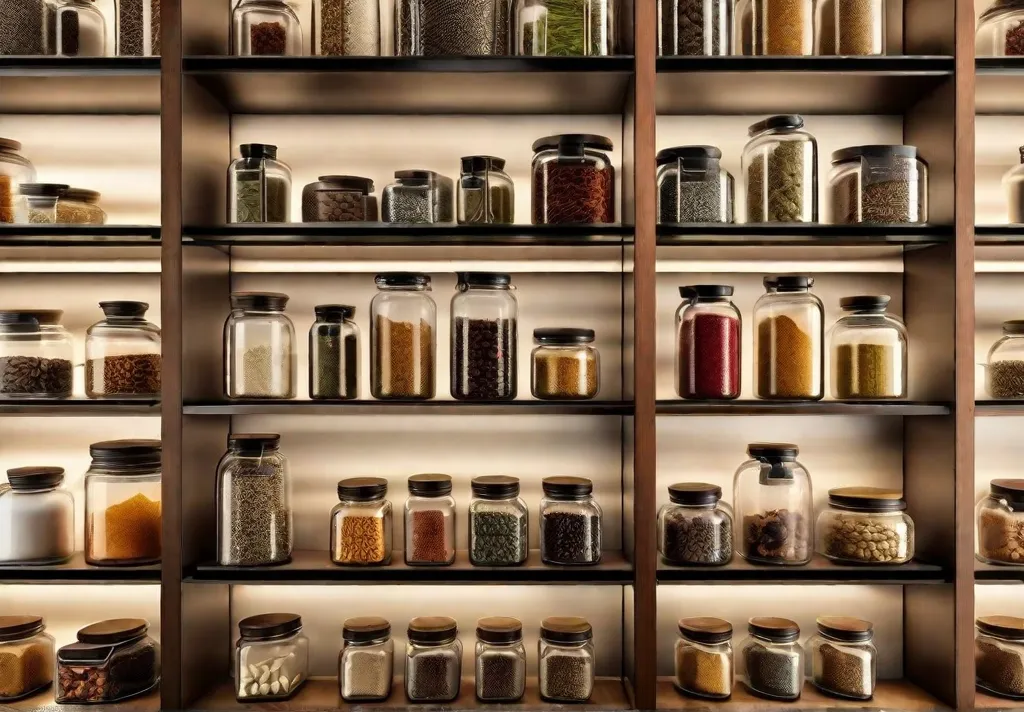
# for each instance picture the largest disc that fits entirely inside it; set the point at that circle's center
(709, 357)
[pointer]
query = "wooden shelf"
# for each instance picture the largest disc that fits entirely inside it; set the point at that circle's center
(993, 573)
(767, 234)
(43, 702)
(990, 408)
(889, 695)
(79, 235)
(77, 571)
(819, 571)
(822, 407)
(79, 85)
(74, 407)
(999, 234)
(985, 701)
(434, 407)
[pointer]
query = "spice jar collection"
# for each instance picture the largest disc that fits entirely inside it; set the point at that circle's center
(25, 201)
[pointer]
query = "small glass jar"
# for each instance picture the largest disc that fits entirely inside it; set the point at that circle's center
(708, 334)
(486, 193)
(859, 27)
(789, 351)
(498, 522)
(566, 659)
(1001, 30)
(15, 169)
(780, 162)
(869, 351)
(259, 185)
(403, 328)
(866, 525)
(463, 28)
(772, 491)
(37, 517)
(35, 354)
(433, 660)
(259, 347)
(76, 28)
(361, 523)
(366, 661)
(38, 203)
(1000, 517)
(29, 654)
(1005, 371)
(430, 521)
(573, 180)
(843, 657)
(999, 656)
(773, 659)
(419, 197)
(783, 27)
(879, 184)
(694, 29)
(555, 29)
(339, 199)
(122, 353)
(500, 660)
(113, 660)
(271, 657)
(696, 526)
(1013, 180)
(254, 516)
(346, 28)
(266, 28)
(704, 662)
(692, 186)
(484, 321)
(570, 522)
(122, 503)
(79, 206)
(138, 28)
(334, 353)
(566, 364)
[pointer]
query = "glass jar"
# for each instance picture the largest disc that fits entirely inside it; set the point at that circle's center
(843, 657)
(15, 169)
(866, 525)
(419, 197)
(570, 522)
(1001, 30)
(430, 521)
(346, 28)
(498, 522)
(259, 347)
(1013, 180)
(403, 324)
(572, 180)
(708, 328)
(789, 351)
(366, 661)
(500, 660)
(780, 162)
(692, 187)
(361, 523)
(35, 354)
(696, 526)
(773, 493)
(254, 516)
(138, 28)
(879, 184)
(555, 28)
(999, 656)
(266, 28)
(703, 655)
(339, 198)
(869, 351)
(37, 517)
(122, 503)
(259, 185)
(20, 24)
(566, 365)
(858, 27)
(773, 659)
(122, 353)
(75, 28)
(1000, 517)
(566, 659)
(486, 194)
(29, 654)
(79, 206)
(334, 353)
(433, 659)
(1005, 371)
(38, 203)
(484, 322)
(451, 28)
(782, 28)
(112, 661)
(694, 28)
(271, 657)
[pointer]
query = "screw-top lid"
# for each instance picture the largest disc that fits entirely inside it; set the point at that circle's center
(82, 195)
(865, 303)
(112, 632)
(259, 301)
(126, 456)
(124, 309)
(566, 629)
(9, 145)
(334, 313)
(430, 485)
(495, 487)
(845, 629)
(258, 150)
(17, 627)
(33, 478)
(43, 190)
(417, 175)
(1010, 627)
(700, 292)
(882, 151)
(432, 630)
(567, 487)
(785, 452)
(269, 625)
(402, 279)
(1012, 490)
(688, 153)
(780, 121)
(1013, 327)
(479, 164)
(705, 630)
(694, 493)
(350, 183)
(573, 142)
(563, 336)
(253, 443)
(362, 489)
(788, 282)
(499, 629)
(867, 499)
(777, 630)
(364, 629)
(485, 279)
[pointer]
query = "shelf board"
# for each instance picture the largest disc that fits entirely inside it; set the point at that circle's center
(989, 408)
(820, 571)
(999, 234)
(822, 407)
(415, 85)
(79, 235)
(998, 85)
(74, 407)
(315, 567)
(43, 702)
(431, 407)
(813, 85)
(985, 701)
(889, 695)
(77, 571)
(767, 234)
(79, 85)
(993, 573)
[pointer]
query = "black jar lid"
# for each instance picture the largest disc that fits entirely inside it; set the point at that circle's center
(334, 313)
(32, 478)
(782, 452)
(780, 121)
(876, 303)
(495, 486)
(705, 630)
(1013, 327)
(567, 487)
(845, 629)
(259, 301)
(430, 485)
(253, 443)
(688, 153)
(350, 183)
(417, 175)
(701, 292)
(33, 318)
(43, 190)
(563, 336)
(570, 141)
(485, 279)
(777, 630)
(479, 164)
(499, 629)
(1010, 627)
(127, 456)
(126, 309)
(10, 145)
(362, 489)
(17, 627)
(402, 279)
(867, 499)
(365, 629)
(432, 630)
(269, 625)
(874, 151)
(566, 629)
(788, 282)
(112, 632)
(258, 150)
(694, 493)
(1012, 490)
(82, 195)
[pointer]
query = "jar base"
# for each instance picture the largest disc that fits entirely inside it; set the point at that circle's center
(122, 396)
(272, 698)
(50, 561)
(24, 695)
(1006, 695)
(361, 565)
(128, 563)
(563, 700)
(262, 565)
(111, 700)
(767, 696)
(839, 695)
(698, 696)
(775, 562)
(691, 564)
(549, 562)
(854, 563)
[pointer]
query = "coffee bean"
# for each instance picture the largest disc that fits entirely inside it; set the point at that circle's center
(34, 376)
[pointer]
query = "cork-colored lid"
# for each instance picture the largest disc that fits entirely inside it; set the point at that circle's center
(705, 630)
(867, 499)
(432, 629)
(845, 628)
(365, 628)
(566, 629)
(499, 629)
(1010, 627)
(777, 630)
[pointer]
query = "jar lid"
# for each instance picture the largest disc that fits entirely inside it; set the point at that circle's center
(124, 309)
(417, 175)
(867, 499)
(780, 121)
(563, 336)
(430, 485)
(683, 153)
(9, 144)
(479, 164)
(777, 630)
(499, 629)
(364, 629)
(1010, 627)
(362, 489)
(1013, 327)
(259, 301)
(111, 632)
(785, 452)
(43, 190)
(788, 282)
(269, 625)
(31, 317)
(82, 195)
(258, 150)
(253, 443)
(31, 478)
(865, 303)
(573, 140)
(567, 487)
(1012, 490)
(705, 630)
(694, 493)
(363, 185)
(874, 151)
(402, 279)
(566, 629)
(128, 455)
(495, 486)
(705, 291)
(334, 313)
(17, 627)
(845, 629)
(432, 629)
(485, 279)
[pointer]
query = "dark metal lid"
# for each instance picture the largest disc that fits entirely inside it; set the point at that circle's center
(17, 627)
(780, 121)
(269, 625)
(865, 303)
(694, 493)
(432, 630)
(362, 489)
(402, 279)
(788, 282)
(31, 317)
(1012, 490)
(253, 443)
(417, 175)
(700, 292)
(124, 309)
(258, 150)
(126, 456)
(334, 313)
(9, 145)
(430, 485)
(82, 195)
(867, 499)
(845, 629)
(705, 630)
(874, 151)
(693, 153)
(495, 487)
(43, 190)
(567, 487)
(485, 279)
(785, 452)
(365, 628)
(1013, 327)
(499, 629)
(350, 183)
(33, 478)
(563, 336)
(479, 164)
(112, 632)
(560, 141)
(777, 630)
(566, 629)
(259, 301)
(1010, 627)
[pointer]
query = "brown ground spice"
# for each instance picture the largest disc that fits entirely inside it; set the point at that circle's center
(403, 359)
(361, 541)
(130, 531)
(785, 360)
(24, 667)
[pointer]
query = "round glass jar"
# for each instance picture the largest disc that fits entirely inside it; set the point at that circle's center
(498, 522)
(866, 525)
(486, 194)
(346, 28)
(15, 169)
(361, 523)
(433, 659)
(484, 321)
(566, 659)
(843, 657)
(566, 365)
(76, 28)
(37, 204)
(419, 197)
(879, 184)
(869, 351)
(113, 660)
(35, 354)
(780, 162)
(334, 353)
(553, 29)
(463, 28)
(709, 341)
(79, 206)
(339, 198)
(999, 656)
(1004, 375)
(692, 185)
(693, 29)
(403, 329)
(789, 351)
(783, 27)
(1000, 517)
(265, 28)
(1001, 30)
(773, 659)
(570, 522)
(29, 652)
(695, 527)
(259, 347)
(122, 353)
(500, 660)
(572, 180)
(122, 503)
(703, 658)
(259, 185)
(366, 661)
(430, 521)
(772, 492)
(271, 657)
(37, 517)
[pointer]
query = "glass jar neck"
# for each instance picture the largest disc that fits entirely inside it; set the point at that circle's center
(403, 288)
(506, 644)
(368, 643)
(463, 287)
(283, 637)
(566, 644)
(363, 502)
(125, 472)
(243, 311)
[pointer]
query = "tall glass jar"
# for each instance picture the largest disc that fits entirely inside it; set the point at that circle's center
(271, 657)
(556, 28)
(265, 27)
(566, 659)
(451, 28)
(35, 355)
(259, 185)
(570, 522)
(37, 518)
(843, 657)
(433, 659)
(113, 660)
(254, 516)
(334, 353)
(869, 350)
(366, 661)
(419, 197)
(565, 364)
(689, 28)
(783, 27)
(789, 351)
(79, 206)
(259, 347)
(999, 656)
(484, 321)
(858, 27)
(15, 169)
(772, 492)
(1001, 30)
(498, 522)
(773, 659)
(703, 658)
(1000, 517)
(866, 525)
(29, 652)
(361, 523)
(572, 180)
(138, 28)
(879, 184)
(1005, 371)
(38, 203)
(500, 660)
(339, 199)
(1013, 181)
(430, 521)
(403, 325)
(76, 28)
(708, 336)
(486, 194)
(780, 162)
(122, 503)
(346, 28)
(692, 186)
(696, 526)
(122, 353)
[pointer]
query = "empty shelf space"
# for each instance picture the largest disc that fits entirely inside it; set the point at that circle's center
(994, 573)
(80, 85)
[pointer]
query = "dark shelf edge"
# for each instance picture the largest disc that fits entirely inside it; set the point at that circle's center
(796, 575)
(412, 408)
(78, 408)
(935, 65)
(424, 576)
(680, 407)
(56, 66)
(999, 65)
(999, 407)
(711, 234)
(213, 64)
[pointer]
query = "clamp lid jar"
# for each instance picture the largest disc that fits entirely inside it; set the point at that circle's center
(486, 193)
(772, 492)
(498, 522)
(570, 522)
(869, 350)
(1005, 371)
(708, 337)
(366, 661)
(122, 353)
(566, 659)
(573, 180)
(29, 654)
(789, 350)
(780, 162)
(704, 658)
(113, 660)
(38, 518)
(271, 657)
(999, 655)
(259, 185)
(1000, 521)
(866, 525)
(430, 521)
(695, 527)
(259, 347)
(879, 184)
(361, 523)
(843, 657)
(35, 354)
(484, 324)
(433, 659)
(500, 660)
(692, 185)
(334, 353)
(339, 198)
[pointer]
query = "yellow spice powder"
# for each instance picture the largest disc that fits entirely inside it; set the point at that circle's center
(126, 531)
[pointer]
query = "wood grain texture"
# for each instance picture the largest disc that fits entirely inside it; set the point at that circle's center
(889, 695)
(43, 702)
